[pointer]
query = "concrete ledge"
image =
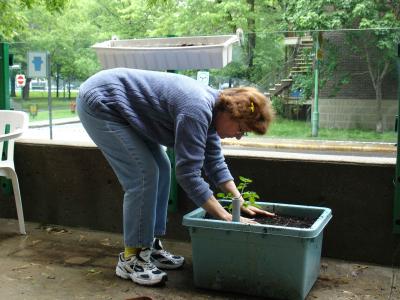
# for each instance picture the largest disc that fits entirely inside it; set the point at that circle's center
(263, 148)
(74, 186)
(270, 154)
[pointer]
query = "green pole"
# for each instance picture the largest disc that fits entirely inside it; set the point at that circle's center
(315, 114)
(396, 205)
(49, 95)
(4, 77)
(5, 184)
(173, 190)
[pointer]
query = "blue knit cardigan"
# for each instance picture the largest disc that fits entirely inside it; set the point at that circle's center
(169, 109)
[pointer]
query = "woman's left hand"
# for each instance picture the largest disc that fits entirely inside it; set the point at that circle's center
(253, 211)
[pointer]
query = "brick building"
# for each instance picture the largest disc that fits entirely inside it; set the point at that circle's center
(353, 104)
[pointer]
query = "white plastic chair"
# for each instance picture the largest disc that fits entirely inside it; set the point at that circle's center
(17, 123)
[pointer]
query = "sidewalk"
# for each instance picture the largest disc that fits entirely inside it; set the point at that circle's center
(269, 143)
(321, 145)
(45, 123)
(53, 262)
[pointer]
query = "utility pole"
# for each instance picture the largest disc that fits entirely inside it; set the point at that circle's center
(318, 57)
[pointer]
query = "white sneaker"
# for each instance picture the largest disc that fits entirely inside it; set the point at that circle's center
(163, 259)
(140, 269)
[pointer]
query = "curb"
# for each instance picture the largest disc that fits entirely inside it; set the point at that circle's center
(39, 124)
(319, 145)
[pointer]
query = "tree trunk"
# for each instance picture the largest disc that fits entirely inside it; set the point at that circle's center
(25, 90)
(57, 80)
(12, 91)
(378, 93)
(377, 77)
(69, 88)
(251, 24)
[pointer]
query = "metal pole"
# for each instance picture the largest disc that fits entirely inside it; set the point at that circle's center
(4, 77)
(173, 189)
(315, 114)
(236, 209)
(49, 95)
(396, 205)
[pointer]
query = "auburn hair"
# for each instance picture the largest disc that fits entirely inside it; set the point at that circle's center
(247, 105)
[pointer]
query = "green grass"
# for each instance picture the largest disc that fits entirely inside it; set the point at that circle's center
(56, 114)
(283, 128)
(43, 94)
(60, 106)
(40, 98)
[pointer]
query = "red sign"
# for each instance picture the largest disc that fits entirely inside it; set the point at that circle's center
(20, 80)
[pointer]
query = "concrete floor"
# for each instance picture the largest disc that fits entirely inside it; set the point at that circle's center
(54, 262)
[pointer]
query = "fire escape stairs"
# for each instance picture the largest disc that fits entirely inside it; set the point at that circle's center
(302, 63)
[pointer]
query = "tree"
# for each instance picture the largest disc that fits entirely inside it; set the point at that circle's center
(375, 46)
(67, 36)
(201, 17)
(12, 18)
(69, 33)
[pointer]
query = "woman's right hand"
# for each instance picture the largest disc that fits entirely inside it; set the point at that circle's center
(214, 208)
(247, 220)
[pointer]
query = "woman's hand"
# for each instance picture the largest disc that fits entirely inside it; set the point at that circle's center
(253, 211)
(247, 220)
(230, 187)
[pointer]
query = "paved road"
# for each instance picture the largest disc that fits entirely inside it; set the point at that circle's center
(75, 132)
(321, 152)
(65, 132)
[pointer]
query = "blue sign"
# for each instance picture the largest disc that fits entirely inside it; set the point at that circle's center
(37, 64)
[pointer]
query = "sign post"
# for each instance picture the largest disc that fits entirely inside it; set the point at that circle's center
(39, 67)
(20, 81)
(49, 97)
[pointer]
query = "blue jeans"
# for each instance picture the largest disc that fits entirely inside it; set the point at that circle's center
(143, 169)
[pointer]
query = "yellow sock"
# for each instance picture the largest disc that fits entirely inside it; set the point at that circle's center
(130, 251)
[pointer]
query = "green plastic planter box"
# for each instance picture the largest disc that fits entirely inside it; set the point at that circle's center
(262, 260)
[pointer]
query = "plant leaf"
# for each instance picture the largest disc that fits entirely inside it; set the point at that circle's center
(244, 179)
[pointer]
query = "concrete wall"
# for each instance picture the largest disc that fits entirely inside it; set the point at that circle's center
(356, 113)
(74, 186)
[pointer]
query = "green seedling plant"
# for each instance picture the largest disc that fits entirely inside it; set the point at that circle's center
(249, 197)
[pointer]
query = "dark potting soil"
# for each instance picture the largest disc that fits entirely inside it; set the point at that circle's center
(286, 221)
(281, 220)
